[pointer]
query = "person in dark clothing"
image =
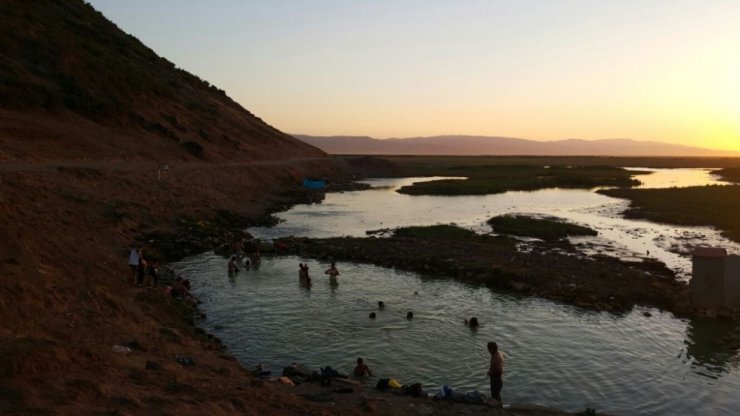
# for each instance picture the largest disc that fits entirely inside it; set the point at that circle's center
(361, 369)
(141, 269)
(496, 370)
(153, 272)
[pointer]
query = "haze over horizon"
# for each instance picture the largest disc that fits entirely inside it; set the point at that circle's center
(660, 71)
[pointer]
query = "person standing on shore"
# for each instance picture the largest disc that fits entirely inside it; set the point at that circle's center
(133, 262)
(141, 268)
(496, 371)
(153, 272)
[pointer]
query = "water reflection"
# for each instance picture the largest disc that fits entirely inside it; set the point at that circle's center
(677, 178)
(709, 355)
(355, 213)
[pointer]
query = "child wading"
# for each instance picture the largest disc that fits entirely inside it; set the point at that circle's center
(361, 369)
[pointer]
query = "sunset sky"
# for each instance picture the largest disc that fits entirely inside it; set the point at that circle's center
(649, 70)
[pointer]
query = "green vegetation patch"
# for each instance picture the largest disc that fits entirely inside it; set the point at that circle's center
(548, 229)
(483, 180)
(714, 205)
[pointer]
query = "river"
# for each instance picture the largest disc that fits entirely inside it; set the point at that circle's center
(643, 362)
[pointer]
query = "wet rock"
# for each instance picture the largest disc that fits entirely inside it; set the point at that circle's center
(292, 371)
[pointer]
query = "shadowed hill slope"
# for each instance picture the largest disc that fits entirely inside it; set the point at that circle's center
(73, 85)
(85, 110)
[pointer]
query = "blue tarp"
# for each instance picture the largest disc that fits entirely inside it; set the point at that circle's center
(313, 183)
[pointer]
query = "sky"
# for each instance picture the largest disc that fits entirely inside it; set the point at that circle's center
(666, 71)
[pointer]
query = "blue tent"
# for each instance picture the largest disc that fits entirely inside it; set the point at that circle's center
(313, 183)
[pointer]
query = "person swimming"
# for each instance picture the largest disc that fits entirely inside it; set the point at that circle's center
(472, 323)
(372, 315)
(381, 305)
(409, 315)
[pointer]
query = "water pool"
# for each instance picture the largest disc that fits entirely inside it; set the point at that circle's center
(556, 354)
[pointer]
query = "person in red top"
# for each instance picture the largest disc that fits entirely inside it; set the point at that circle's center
(496, 370)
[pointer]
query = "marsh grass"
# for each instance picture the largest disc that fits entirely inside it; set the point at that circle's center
(489, 179)
(447, 232)
(548, 229)
(729, 174)
(714, 205)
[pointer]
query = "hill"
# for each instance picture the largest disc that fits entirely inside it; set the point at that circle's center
(73, 85)
(87, 116)
(501, 146)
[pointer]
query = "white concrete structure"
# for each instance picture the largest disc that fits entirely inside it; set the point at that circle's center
(715, 281)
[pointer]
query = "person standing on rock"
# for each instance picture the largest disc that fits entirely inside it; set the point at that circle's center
(133, 262)
(496, 371)
(141, 268)
(332, 271)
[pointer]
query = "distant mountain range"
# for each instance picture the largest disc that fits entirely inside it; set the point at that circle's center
(504, 146)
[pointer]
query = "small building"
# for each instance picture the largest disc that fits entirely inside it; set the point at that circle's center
(715, 281)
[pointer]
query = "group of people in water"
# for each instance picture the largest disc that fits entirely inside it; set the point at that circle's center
(305, 279)
(236, 259)
(181, 289)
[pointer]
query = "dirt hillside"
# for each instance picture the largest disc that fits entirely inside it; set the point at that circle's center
(89, 117)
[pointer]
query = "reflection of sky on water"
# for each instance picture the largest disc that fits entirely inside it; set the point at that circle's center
(678, 178)
(354, 213)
